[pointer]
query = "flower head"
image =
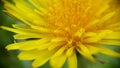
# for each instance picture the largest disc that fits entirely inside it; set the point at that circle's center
(61, 28)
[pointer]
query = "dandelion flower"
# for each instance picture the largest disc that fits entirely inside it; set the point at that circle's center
(60, 28)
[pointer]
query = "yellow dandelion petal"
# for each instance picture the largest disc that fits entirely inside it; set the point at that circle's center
(19, 31)
(93, 50)
(108, 16)
(70, 51)
(60, 51)
(22, 45)
(28, 45)
(72, 60)
(57, 29)
(110, 42)
(113, 36)
(38, 6)
(43, 57)
(12, 47)
(100, 35)
(26, 36)
(85, 52)
(60, 61)
(40, 61)
(28, 55)
(107, 51)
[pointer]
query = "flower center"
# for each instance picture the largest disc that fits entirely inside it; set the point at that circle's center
(65, 20)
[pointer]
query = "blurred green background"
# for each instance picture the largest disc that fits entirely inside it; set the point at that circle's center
(8, 59)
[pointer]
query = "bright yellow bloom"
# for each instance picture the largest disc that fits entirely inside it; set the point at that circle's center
(61, 28)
